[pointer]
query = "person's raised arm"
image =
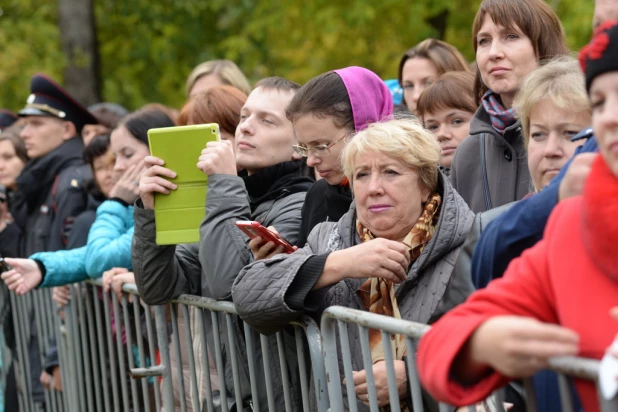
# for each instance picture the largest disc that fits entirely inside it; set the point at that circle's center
(224, 249)
(161, 272)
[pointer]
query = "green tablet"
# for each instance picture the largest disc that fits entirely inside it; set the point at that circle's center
(178, 215)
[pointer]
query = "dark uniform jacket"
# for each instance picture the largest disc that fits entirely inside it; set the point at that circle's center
(51, 194)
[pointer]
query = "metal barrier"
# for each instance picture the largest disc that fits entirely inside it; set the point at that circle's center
(33, 322)
(109, 363)
(338, 321)
(117, 355)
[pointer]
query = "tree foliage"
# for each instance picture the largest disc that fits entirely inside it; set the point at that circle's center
(147, 49)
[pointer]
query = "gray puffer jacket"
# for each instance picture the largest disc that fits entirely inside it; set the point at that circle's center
(261, 291)
(497, 177)
(162, 273)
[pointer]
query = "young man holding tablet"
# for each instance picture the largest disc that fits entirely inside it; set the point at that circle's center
(269, 189)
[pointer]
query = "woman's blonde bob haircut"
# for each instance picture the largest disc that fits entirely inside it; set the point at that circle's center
(561, 81)
(227, 71)
(403, 140)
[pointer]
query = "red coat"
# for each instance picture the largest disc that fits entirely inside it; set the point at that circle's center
(569, 278)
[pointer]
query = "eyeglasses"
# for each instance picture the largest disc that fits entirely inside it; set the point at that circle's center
(320, 150)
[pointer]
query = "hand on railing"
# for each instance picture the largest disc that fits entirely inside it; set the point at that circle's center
(515, 346)
(115, 278)
(62, 295)
(24, 275)
(53, 381)
(381, 381)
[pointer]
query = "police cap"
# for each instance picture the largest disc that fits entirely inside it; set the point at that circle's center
(47, 98)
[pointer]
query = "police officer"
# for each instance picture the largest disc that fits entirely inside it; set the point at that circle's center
(52, 185)
(51, 193)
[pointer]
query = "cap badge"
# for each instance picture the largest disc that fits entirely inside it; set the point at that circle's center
(74, 183)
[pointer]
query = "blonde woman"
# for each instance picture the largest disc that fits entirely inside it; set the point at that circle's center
(405, 227)
(552, 106)
(216, 73)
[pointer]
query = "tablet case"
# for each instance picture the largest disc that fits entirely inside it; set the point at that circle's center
(178, 215)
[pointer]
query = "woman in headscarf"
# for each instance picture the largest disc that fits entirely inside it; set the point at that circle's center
(326, 112)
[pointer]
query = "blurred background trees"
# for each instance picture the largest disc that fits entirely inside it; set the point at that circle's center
(140, 51)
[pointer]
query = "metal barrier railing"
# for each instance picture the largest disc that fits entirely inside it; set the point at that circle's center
(238, 352)
(116, 355)
(33, 322)
(335, 323)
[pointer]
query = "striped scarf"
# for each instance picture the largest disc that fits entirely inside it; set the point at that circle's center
(501, 118)
(378, 295)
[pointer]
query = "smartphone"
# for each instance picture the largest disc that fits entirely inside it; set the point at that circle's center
(255, 229)
(4, 267)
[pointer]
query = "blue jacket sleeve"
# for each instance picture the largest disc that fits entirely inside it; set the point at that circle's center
(62, 267)
(518, 229)
(109, 239)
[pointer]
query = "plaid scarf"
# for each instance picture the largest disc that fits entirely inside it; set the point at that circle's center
(378, 295)
(501, 118)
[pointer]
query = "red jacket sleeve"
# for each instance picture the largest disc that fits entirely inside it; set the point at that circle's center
(525, 290)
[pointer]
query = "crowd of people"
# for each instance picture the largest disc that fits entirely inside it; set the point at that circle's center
(481, 205)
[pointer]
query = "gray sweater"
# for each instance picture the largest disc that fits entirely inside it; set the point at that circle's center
(506, 165)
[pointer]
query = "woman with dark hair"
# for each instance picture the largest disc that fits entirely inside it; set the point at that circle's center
(109, 238)
(423, 64)
(13, 158)
(99, 156)
(511, 38)
(326, 112)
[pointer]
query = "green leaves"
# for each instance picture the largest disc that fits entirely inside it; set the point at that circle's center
(147, 49)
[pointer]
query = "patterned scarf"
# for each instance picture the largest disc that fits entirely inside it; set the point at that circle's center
(501, 118)
(378, 295)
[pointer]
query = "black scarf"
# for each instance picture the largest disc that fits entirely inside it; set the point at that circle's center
(37, 178)
(274, 182)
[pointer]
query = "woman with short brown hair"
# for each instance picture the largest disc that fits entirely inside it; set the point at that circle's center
(446, 109)
(511, 38)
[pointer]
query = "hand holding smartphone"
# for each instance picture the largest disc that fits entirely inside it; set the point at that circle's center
(255, 229)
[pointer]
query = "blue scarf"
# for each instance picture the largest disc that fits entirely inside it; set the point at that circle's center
(501, 118)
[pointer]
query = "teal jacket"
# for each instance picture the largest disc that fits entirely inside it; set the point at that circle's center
(109, 246)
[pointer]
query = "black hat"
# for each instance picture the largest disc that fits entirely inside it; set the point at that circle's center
(601, 54)
(47, 98)
(7, 118)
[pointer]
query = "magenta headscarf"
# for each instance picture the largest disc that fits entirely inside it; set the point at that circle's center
(370, 97)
